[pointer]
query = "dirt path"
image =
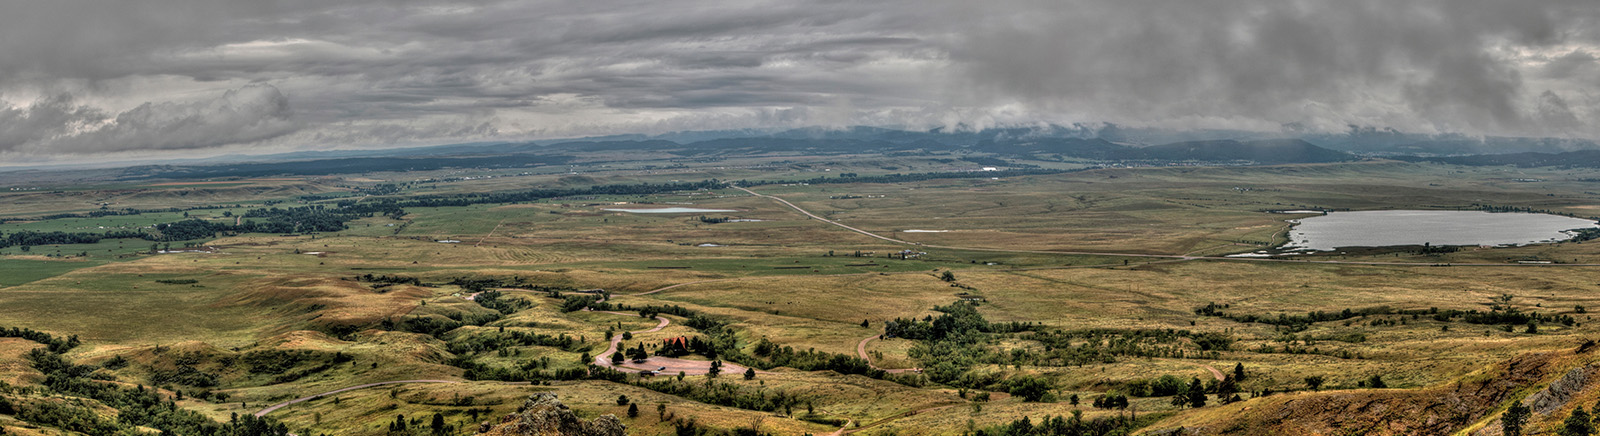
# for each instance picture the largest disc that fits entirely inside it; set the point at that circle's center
(275, 407)
(491, 233)
(861, 350)
(687, 284)
(809, 214)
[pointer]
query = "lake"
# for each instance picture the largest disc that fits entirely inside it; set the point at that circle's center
(1438, 227)
(672, 210)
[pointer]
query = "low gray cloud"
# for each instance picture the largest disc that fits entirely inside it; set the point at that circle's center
(79, 77)
(59, 125)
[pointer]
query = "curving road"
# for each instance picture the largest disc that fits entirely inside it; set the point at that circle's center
(861, 350)
(275, 407)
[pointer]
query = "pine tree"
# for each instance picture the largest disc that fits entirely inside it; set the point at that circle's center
(437, 426)
(1576, 424)
(633, 410)
(1515, 417)
(1197, 394)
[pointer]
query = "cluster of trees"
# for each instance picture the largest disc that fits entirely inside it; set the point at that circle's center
(1220, 311)
(722, 342)
(694, 345)
(955, 342)
(1073, 425)
(771, 355)
(1111, 401)
(480, 284)
(136, 407)
(495, 341)
(277, 362)
(105, 212)
(574, 303)
(1088, 346)
(1503, 315)
(185, 374)
(528, 371)
(413, 427)
(506, 306)
(315, 218)
(1581, 422)
(437, 326)
(388, 279)
(727, 394)
(29, 238)
(1186, 393)
(960, 318)
(54, 344)
(1500, 313)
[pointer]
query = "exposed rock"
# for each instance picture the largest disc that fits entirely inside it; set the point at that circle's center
(1551, 398)
(544, 415)
(1559, 392)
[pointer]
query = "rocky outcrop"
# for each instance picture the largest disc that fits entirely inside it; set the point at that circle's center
(544, 415)
(1551, 398)
(1560, 391)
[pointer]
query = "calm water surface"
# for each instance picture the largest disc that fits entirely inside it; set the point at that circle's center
(1438, 227)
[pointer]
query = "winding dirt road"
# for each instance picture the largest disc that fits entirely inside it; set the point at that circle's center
(861, 350)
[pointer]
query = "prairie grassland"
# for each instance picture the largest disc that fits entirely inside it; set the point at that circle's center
(37, 203)
(17, 270)
(14, 369)
(773, 279)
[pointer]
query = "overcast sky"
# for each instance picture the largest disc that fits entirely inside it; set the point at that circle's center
(116, 78)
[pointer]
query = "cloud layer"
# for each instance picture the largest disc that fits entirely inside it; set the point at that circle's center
(84, 77)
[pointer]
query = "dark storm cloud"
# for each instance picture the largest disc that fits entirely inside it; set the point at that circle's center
(79, 77)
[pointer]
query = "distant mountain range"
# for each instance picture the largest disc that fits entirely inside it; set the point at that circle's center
(1108, 143)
